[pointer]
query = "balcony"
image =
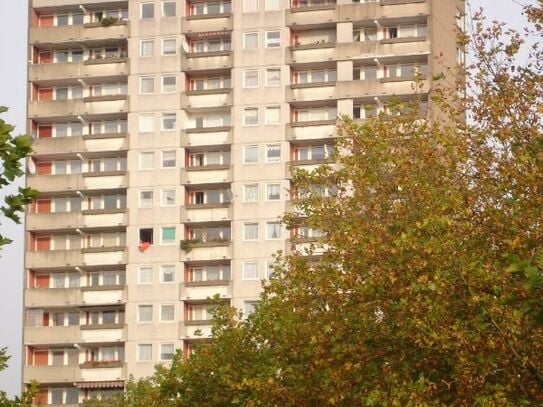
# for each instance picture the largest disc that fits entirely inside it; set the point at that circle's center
(67, 109)
(110, 67)
(212, 212)
(207, 22)
(103, 295)
(77, 33)
(102, 371)
(207, 61)
(209, 250)
(87, 144)
(202, 290)
(310, 130)
(312, 91)
(312, 15)
(206, 136)
(50, 374)
(102, 256)
(207, 175)
(52, 297)
(53, 259)
(380, 87)
(206, 98)
(51, 335)
(99, 181)
(113, 333)
(73, 220)
(195, 329)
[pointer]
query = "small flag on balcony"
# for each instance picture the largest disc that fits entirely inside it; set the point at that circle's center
(144, 246)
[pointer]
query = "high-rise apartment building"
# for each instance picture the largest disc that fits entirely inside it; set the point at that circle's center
(164, 131)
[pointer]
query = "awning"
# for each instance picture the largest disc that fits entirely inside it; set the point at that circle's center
(101, 385)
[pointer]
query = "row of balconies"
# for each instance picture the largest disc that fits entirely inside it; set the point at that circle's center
(192, 62)
(75, 373)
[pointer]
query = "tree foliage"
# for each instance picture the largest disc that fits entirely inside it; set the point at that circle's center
(12, 150)
(429, 291)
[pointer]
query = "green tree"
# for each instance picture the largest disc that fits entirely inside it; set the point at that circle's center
(13, 149)
(429, 291)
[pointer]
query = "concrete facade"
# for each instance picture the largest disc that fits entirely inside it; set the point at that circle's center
(164, 132)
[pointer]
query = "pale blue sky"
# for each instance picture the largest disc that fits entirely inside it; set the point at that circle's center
(13, 33)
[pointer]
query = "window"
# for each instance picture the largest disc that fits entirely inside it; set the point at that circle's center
(168, 9)
(147, 10)
(145, 352)
(147, 85)
(273, 230)
(166, 351)
(273, 39)
(460, 56)
(272, 4)
(145, 313)
(273, 77)
(249, 307)
(250, 116)
(250, 78)
(167, 313)
(168, 159)
(250, 154)
(167, 274)
(273, 114)
(250, 270)
(273, 192)
(250, 40)
(250, 193)
(250, 6)
(147, 161)
(168, 121)
(146, 235)
(145, 275)
(168, 235)
(269, 268)
(169, 84)
(169, 46)
(250, 231)
(273, 153)
(147, 48)
(168, 197)
(147, 123)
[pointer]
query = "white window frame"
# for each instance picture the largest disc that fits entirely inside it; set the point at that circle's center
(245, 72)
(268, 193)
(162, 268)
(274, 3)
(251, 109)
(245, 148)
(245, 239)
(144, 78)
(245, 192)
(141, 48)
(162, 121)
(141, 10)
(140, 268)
(162, 306)
(267, 159)
(267, 83)
(245, 40)
(273, 43)
(162, 153)
(251, 11)
(162, 8)
(140, 345)
(139, 314)
(267, 230)
(174, 48)
(152, 153)
(162, 235)
(162, 77)
(173, 353)
(163, 202)
(244, 268)
(140, 201)
(274, 107)
(148, 115)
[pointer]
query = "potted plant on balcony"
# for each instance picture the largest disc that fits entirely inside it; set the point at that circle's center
(108, 21)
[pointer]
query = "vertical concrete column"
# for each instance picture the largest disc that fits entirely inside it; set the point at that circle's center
(345, 106)
(344, 32)
(344, 71)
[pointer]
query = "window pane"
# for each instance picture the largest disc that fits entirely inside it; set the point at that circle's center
(251, 193)
(169, 47)
(147, 48)
(168, 235)
(251, 79)
(273, 115)
(169, 83)
(168, 197)
(274, 192)
(168, 9)
(250, 231)
(251, 40)
(273, 230)
(166, 351)
(250, 116)
(145, 275)
(273, 39)
(168, 159)
(147, 10)
(250, 271)
(145, 313)
(250, 6)
(147, 86)
(145, 352)
(168, 121)
(167, 312)
(273, 77)
(273, 153)
(146, 123)
(250, 154)
(168, 274)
